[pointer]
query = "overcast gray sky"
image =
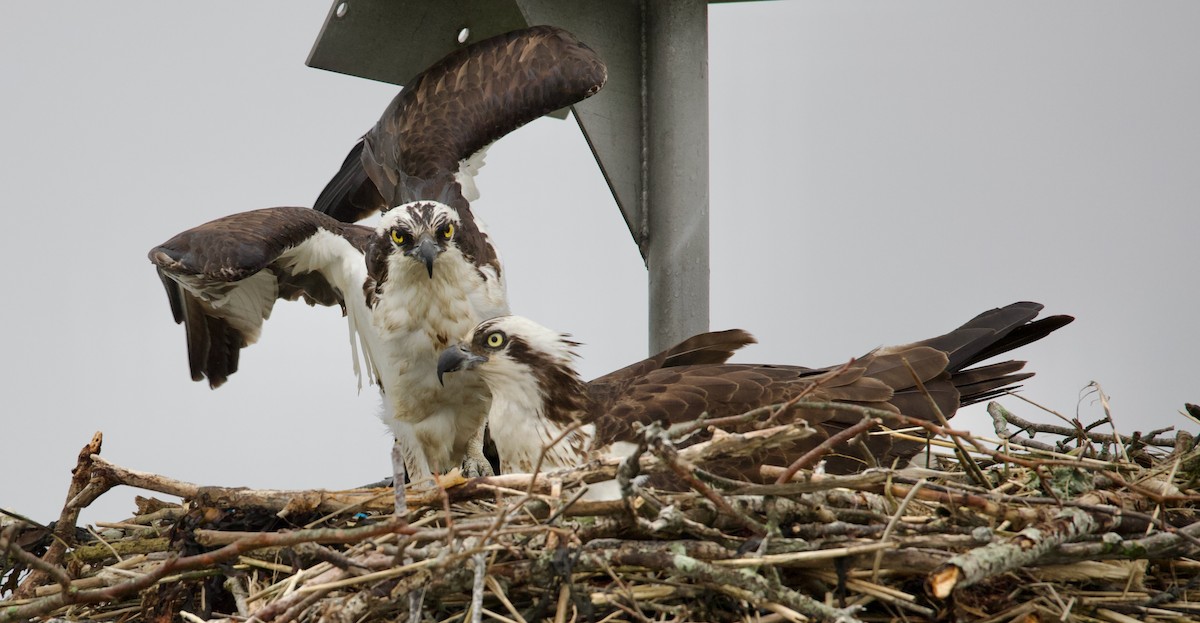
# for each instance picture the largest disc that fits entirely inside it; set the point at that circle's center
(880, 172)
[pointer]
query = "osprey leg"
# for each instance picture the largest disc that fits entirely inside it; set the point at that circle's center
(476, 464)
(398, 473)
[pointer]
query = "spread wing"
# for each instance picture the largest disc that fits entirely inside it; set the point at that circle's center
(223, 278)
(430, 139)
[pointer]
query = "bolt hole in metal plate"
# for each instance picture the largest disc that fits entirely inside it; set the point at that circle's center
(394, 40)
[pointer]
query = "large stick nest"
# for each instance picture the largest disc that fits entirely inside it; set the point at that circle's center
(1068, 522)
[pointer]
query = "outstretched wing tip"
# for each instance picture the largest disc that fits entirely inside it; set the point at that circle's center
(160, 258)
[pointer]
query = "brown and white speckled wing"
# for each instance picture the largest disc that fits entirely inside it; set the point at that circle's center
(223, 277)
(432, 130)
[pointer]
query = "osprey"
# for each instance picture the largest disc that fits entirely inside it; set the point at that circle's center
(419, 280)
(537, 395)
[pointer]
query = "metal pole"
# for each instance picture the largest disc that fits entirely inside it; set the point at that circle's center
(676, 170)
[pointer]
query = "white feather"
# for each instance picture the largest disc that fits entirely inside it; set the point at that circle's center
(343, 267)
(247, 305)
(468, 168)
(517, 417)
(608, 490)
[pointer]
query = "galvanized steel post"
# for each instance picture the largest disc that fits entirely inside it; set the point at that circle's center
(676, 168)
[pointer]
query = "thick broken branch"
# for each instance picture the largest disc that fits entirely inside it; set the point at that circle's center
(1023, 549)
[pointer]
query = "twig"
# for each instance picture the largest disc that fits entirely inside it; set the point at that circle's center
(64, 530)
(1000, 419)
(537, 468)
(964, 457)
(810, 457)
(685, 472)
(480, 560)
(804, 558)
(498, 591)
(1064, 431)
(887, 532)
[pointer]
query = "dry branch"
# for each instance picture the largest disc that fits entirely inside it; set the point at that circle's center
(1023, 549)
(64, 531)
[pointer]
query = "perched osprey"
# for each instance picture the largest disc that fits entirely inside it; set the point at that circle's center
(537, 395)
(415, 283)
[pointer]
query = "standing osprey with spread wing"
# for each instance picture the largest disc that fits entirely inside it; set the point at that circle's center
(418, 281)
(537, 395)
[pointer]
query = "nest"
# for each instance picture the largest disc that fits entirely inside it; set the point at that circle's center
(1068, 522)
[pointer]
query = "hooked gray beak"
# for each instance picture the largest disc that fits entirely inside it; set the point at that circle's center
(456, 358)
(427, 251)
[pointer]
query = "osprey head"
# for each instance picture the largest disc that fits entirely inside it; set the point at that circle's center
(420, 230)
(508, 346)
(537, 397)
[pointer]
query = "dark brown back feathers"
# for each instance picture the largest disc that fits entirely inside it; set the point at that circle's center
(706, 348)
(882, 379)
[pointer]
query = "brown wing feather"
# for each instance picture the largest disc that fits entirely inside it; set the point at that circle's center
(684, 393)
(237, 246)
(204, 271)
(897, 368)
(885, 379)
(461, 104)
(705, 348)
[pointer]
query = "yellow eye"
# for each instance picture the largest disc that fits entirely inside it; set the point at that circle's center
(397, 237)
(495, 340)
(449, 233)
